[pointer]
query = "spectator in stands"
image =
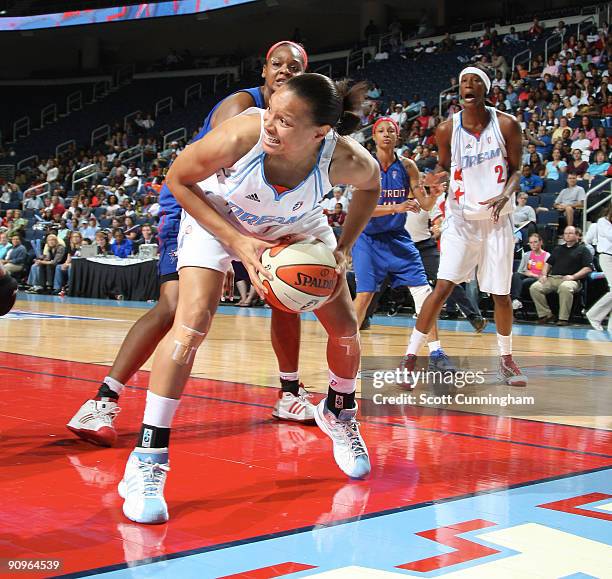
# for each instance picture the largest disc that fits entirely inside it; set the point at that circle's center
(57, 205)
(530, 150)
(522, 216)
(18, 224)
(543, 142)
(398, 115)
(599, 167)
(374, 91)
(556, 167)
(566, 266)
(427, 162)
(63, 230)
(112, 206)
(537, 167)
(52, 172)
(147, 237)
(529, 270)
(448, 43)
(512, 37)
(587, 126)
(4, 244)
(600, 138)
(569, 110)
(62, 273)
(570, 199)
(338, 196)
(336, 219)
(89, 228)
(558, 132)
(121, 246)
(54, 253)
(583, 144)
(577, 166)
(530, 184)
(371, 33)
(425, 119)
(499, 81)
(499, 64)
(15, 258)
(101, 241)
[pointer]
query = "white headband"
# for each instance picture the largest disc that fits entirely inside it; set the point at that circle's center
(478, 72)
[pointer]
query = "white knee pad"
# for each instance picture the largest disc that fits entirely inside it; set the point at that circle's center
(419, 295)
(186, 344)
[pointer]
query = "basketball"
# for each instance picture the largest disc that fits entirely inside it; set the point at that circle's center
(304, 275)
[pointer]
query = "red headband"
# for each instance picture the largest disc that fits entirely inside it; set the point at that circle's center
(386, 120)
(299, 48)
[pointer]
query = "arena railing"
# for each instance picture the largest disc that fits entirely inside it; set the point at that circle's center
(19, 126)
(193, 92)
(219, 79)
(48, 115)
(584, 24)
(162, 105)
(132, 153)
(175, 135)
(586, 209)
(129, 117)
(527, 52)
(74, 101)
(65, 146)
(84, 174)
(99, 134)
(553, 40)
(454, 89)
(355, 59)
(46, 186)
(27, 161)
(7, 172)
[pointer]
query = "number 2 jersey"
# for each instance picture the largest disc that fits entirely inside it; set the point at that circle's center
(244, 196)
(479, 169)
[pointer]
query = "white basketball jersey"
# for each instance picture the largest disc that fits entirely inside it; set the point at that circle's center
(479, 169)
(242, 193)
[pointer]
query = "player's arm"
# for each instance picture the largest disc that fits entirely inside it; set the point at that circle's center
(426, 201)
(439, 175)
(353, 165)
(232, 106)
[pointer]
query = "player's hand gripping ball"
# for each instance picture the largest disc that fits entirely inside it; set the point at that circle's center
(304, 275)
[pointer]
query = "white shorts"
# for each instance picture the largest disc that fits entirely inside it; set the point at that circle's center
(197, 247)
(467, 244)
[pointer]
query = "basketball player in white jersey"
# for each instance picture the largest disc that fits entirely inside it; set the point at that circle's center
(251, 181)
(95, 419)
(482, 148)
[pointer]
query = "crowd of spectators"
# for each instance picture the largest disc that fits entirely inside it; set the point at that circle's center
(564, 108)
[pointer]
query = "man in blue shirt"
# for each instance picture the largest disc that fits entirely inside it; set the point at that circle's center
(543, 143)
(531, 184)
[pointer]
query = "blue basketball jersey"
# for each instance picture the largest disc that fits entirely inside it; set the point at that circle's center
(168, 203)
(394, 184)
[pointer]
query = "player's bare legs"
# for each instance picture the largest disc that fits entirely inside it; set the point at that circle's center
(336, 414)
(94, 420)
(145, 334)
(145, 474)
(430, 310)
(503, 314)
(293, 399)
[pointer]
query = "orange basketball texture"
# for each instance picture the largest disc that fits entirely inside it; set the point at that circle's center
(304, 275)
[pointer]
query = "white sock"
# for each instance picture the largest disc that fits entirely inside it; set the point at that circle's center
(159, 411)
(417, 339)
(433, 346)
(504, 344)
(114, 385)
(289, 376)
(344, 385)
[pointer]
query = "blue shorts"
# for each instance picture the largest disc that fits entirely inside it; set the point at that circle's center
(167, 233)
(393, 254)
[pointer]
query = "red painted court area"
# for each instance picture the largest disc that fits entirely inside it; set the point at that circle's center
(236, 473)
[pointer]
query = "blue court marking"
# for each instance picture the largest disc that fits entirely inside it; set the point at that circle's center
(570, 333)
(386, 539)
(23, 315)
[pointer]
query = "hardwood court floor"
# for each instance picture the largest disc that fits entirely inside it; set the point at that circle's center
(457, 492)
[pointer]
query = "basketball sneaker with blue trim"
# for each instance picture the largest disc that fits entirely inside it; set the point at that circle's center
(142, 487)
(350, 452)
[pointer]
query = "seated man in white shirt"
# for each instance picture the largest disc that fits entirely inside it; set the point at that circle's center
(337, 197)
(583, 144)
(570, 199)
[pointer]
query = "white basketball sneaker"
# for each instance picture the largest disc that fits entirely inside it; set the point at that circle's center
(94, 422)
(142, 487)
(297, 408)
(350, 452)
